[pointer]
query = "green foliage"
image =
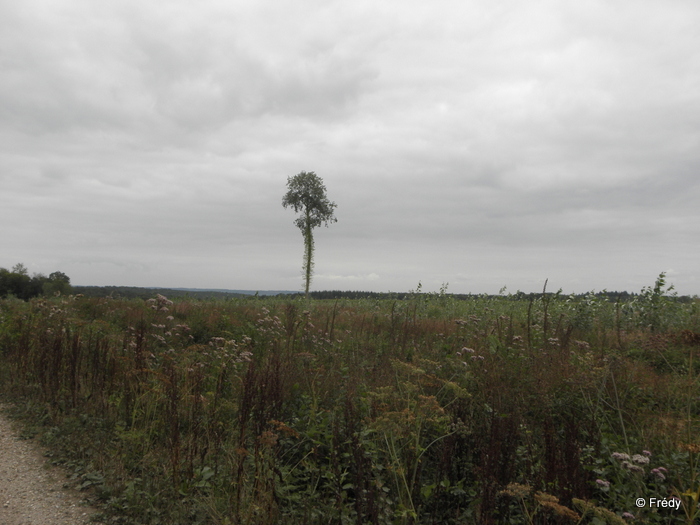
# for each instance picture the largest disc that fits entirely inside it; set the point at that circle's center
(58, 283)
(416, 410)
(307, 194)
(655, 307)
(19, 284)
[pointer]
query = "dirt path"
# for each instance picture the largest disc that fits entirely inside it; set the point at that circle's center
(32, 493)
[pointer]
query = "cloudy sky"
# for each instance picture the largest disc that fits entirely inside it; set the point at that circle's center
(477, 143)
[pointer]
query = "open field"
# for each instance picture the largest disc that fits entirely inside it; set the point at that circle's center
(534, 408)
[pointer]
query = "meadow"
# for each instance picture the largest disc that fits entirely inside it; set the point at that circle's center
(527, 408)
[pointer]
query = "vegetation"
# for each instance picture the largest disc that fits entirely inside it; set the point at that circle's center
(135, 292)
(17, 283)
(542, 408)
(307, 194)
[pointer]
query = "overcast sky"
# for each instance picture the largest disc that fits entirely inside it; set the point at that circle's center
(477, 143)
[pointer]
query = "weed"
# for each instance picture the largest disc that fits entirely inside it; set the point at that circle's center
(417, 410)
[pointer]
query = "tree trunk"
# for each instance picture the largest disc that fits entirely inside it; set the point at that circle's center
(308, 253)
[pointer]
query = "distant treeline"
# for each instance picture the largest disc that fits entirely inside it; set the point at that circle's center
(134, 292)
(18, 283)
(517, 296)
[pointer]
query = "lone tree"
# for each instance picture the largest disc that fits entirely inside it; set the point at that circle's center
(307, 194)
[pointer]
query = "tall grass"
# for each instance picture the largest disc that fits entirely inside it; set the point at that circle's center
(424, 410)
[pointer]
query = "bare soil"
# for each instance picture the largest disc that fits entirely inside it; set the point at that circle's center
(32, 492)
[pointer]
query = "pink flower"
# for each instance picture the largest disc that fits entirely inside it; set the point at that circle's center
(620, 455)
(642, 460)
(657, 472)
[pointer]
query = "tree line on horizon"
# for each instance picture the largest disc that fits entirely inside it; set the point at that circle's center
(18, 283)
(612, 296)
(134, 292)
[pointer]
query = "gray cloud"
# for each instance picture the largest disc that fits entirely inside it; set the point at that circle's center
(475, 143)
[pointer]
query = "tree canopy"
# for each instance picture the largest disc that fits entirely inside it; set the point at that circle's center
(18, 283)
(307, 194)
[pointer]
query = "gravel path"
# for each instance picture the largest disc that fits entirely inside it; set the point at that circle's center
(31, 492)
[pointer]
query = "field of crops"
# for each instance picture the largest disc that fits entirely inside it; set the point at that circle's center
(536, 408)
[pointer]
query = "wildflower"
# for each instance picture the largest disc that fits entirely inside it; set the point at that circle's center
(603, 483)
(620, 455)
(627, 516)
(642, 460)
(646, 453)
(161, 299)
(632, 468)
(657, 472)
(516, 490)
(217, 341)
(470, 350)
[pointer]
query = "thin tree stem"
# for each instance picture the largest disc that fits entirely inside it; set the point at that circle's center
(308, 253)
